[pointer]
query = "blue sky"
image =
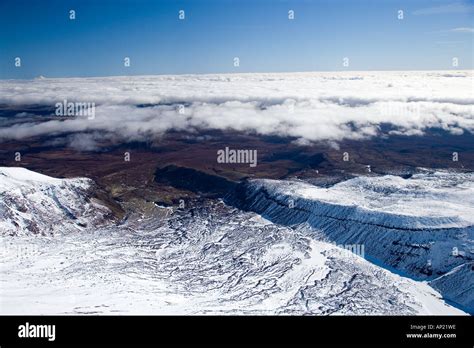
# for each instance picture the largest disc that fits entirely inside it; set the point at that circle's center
(259, 32)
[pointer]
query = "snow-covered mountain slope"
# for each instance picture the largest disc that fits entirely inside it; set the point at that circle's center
(457, 285)
(32, 203)
(211, 259)
(421, 226)
(207, 259)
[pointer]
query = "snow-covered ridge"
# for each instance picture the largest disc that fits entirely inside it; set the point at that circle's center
(12, 176)
(437, 200)
(421, 226)
(32, 203)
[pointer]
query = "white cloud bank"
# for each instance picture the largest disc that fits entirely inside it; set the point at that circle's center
(328, 106)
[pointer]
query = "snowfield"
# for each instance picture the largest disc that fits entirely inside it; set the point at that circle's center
(209, 259)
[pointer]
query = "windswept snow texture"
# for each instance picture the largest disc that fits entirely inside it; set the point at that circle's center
(330, 106)
(32, 203)
(207, 259)
(422, 226)
(215, 261)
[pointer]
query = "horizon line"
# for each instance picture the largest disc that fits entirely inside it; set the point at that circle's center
(43, 77)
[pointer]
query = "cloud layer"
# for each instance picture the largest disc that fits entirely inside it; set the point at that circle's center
(457, 7)
(311, 107)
